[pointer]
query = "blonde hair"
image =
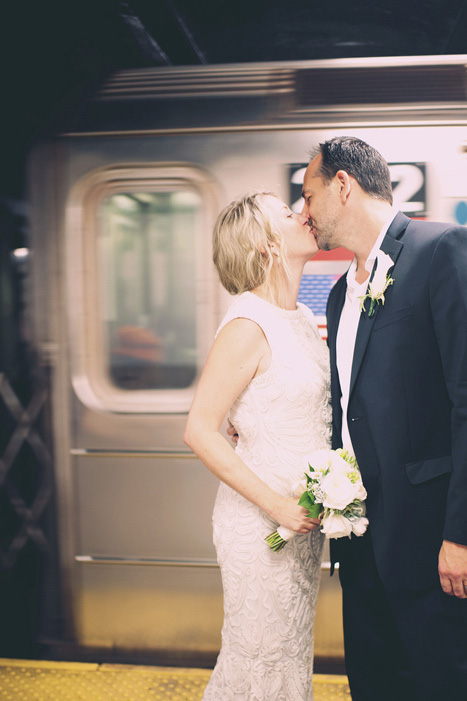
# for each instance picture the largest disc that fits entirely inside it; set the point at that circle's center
(242, 236)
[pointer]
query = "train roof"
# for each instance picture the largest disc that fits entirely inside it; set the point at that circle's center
(274, 95)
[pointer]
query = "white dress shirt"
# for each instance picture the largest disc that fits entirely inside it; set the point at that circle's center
(348, 326)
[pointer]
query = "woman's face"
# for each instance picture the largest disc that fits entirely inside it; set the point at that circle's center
(299, 241)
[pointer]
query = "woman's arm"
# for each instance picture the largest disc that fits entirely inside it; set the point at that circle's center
(239, 352)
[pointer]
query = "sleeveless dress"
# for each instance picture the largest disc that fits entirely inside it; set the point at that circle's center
(270, 597)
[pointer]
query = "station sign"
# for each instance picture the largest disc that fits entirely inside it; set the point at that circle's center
(408, 186)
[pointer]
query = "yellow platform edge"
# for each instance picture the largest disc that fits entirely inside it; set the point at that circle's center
(91, 666)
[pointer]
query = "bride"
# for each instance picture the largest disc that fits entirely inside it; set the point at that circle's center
(270, 368)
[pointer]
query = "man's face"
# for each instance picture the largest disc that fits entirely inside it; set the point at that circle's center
(322, 206)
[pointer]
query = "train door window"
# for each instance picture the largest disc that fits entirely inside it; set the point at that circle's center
(148, 292)
(141, 286)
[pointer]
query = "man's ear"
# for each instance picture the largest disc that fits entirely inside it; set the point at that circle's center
(344, 185)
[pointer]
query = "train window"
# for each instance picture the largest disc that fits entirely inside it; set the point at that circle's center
(141, 286)
(148, 292)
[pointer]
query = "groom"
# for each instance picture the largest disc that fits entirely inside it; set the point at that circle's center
(399, 393)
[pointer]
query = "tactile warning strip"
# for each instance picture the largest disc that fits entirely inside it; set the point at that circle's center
(25, 680)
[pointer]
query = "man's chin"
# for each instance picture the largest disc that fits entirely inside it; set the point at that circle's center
(324, 245)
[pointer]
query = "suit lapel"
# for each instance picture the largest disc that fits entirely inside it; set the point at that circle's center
(334, 313)
(392, 246)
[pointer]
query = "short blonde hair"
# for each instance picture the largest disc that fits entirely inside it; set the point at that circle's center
(241, 251)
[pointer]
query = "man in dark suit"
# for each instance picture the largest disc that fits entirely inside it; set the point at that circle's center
(399, 393)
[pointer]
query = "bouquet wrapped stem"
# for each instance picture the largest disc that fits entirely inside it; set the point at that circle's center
(333, 490)
(282, 535)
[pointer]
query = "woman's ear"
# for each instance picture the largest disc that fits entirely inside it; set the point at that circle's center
(274, 248)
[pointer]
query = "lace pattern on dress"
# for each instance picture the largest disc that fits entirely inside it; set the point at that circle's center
(270, 598)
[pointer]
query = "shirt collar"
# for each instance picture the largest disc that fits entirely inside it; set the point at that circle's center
(370, 261)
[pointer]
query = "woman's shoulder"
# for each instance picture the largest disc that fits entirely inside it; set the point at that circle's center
(306, 311)
(244, 303)
(307, 314)
(245, 306)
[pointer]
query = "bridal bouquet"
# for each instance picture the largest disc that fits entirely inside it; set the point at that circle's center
(332, 488)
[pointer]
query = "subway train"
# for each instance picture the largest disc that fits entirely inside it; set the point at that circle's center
(125, 303)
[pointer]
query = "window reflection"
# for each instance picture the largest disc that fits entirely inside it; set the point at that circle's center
(148, 287)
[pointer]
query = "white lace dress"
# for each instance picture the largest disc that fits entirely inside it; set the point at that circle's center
(269, 597)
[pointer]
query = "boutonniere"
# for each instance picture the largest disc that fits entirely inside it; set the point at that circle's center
(379, 284)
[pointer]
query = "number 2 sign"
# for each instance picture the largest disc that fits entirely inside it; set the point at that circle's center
(409, 188)
(408, 185)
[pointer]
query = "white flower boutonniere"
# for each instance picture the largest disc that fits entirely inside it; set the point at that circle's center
(379, 284)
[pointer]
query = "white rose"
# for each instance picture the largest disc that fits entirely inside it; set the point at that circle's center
(359, 525)
(336, 526)
(339, 465)
(360, 491)
(324, 460)
(338, 490)
(355, 476)
(320, 460)
(379, 282)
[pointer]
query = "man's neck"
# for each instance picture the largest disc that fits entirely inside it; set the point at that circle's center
(361, 273)
(367, 230)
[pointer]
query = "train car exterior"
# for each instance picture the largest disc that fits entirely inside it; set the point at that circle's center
(126, 304)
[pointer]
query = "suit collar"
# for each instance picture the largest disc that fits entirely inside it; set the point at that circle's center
(397, 227)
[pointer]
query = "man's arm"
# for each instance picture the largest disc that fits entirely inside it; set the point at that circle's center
(448, 290)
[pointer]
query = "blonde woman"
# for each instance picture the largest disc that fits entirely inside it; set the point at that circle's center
(269, 368)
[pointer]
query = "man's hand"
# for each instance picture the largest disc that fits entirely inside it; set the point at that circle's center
(232, 432)
(452, 568)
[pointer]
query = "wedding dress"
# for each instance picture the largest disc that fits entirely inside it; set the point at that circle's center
(269, 597)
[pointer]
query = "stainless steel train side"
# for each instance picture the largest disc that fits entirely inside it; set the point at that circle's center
(126, 304)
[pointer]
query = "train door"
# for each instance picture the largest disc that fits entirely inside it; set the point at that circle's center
(140, 311)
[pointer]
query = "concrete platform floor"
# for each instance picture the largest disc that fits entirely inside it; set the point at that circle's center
(32, 680)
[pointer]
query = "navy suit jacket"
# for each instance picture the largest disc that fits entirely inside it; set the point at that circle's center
(407, 410)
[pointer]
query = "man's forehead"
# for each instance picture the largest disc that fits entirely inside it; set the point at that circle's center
(312, 170)
(311, 174)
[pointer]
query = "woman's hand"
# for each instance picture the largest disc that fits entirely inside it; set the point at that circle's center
(289, 514)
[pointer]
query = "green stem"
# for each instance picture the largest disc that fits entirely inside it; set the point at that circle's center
(275, 542)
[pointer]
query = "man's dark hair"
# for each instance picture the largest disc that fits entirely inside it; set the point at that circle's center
(361, 161)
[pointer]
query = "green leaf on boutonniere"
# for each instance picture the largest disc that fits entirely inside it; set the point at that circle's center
(375, 296)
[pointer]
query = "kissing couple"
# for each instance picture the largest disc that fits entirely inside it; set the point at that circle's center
(390, 387)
